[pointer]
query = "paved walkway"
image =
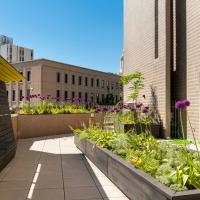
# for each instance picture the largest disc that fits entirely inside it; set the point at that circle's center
(52, 168)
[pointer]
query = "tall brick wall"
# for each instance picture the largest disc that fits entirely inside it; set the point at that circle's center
(193, 63)
(7, 141)
(139, 51)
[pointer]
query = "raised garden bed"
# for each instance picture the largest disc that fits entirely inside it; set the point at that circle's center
(134, 183)
(139, 128)
(28, 126)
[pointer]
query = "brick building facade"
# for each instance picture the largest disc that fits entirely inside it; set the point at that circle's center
(161, 39)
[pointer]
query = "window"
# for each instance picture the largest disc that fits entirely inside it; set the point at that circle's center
(28, 75)
(57, 94)
(86, 81)
(116, 98)
(117, 86)
(80, 95)
(73, 95)
(112, 86)
(80, 80)
(86, 96)
(92, 82)
(22, 75)
(156, 29)
(13, 95)
(92, 97)
(102, 83)
(58, 77)
(97, 98)
(66, 78)
(20, 95)
(31, 55)
(73, 79)
(28, 93)
(66, 95)
(97, 82)
(108, 85)
(102, 98)
(7, 93)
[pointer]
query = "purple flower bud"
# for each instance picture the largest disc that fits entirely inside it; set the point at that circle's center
(145, 110)
(138, 105)
(180, 105)
(186, 102)
(105, 109)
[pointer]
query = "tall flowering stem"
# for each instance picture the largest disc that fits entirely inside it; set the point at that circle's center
(193, 134)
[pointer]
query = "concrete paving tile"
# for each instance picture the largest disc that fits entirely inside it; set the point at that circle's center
(13, 194)
(79, 181)
(48, 194)
(14, 185)
(86, 193)
(49, 183)
(75, 173)
(20, 174)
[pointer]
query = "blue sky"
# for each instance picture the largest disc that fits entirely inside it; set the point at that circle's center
(88, 33)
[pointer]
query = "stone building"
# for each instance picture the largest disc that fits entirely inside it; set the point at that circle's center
(46, 77)
(14, 53)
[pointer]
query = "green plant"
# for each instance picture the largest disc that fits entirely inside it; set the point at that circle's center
(172, 165)
(48, 107)
(135, 81)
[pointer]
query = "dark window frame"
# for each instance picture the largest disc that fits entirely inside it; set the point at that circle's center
(156, 30)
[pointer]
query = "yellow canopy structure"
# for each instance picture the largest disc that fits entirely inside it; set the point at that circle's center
(8, 73)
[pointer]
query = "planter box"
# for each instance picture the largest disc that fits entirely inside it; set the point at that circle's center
(134, 183)
(139, 128)
(28, 126)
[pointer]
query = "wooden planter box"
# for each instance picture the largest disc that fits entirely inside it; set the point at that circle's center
(28, 126)
(134, 183)
(139, 128)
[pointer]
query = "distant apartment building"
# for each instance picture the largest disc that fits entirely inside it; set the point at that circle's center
(46, 77)
(161, 39)
(14, 53)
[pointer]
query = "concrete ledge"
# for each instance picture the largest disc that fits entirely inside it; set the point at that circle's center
(134, 183)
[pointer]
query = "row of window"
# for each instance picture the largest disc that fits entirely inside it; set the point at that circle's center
(84, 96)
(21, 54)
(86, 80)
(81, 95)
(20, 94)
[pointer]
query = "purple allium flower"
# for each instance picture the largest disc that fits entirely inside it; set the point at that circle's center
(186, 102)
(180, 105)
(145, 110)
(97, 110)
(105, 109)
(138, 105)
(38, 95)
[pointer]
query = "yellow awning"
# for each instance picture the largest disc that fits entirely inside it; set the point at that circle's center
(8, 73)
